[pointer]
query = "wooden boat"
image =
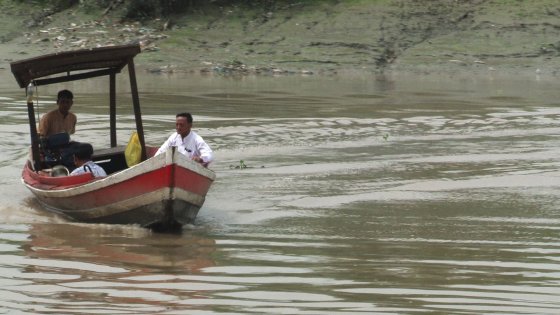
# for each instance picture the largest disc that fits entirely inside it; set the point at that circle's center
(164, 191)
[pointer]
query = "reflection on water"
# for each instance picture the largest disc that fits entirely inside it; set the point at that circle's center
(362, 195)
(110, 268)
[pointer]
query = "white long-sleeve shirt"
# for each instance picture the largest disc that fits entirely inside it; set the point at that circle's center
(192, 146)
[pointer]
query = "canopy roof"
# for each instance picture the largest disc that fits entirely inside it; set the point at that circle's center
(99, 61)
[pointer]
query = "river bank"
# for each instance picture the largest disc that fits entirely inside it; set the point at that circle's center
(428, 37)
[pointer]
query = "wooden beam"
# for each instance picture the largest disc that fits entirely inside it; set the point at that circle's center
(136, 104)
(34, 137)
(78, 76)
(113, 109)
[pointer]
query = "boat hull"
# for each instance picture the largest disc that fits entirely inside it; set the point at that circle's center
(165, 190)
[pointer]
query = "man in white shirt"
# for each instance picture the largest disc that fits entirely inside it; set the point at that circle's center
(187, 141)
(84, 164)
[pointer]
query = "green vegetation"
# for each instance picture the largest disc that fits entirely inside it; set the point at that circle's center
(240, 166)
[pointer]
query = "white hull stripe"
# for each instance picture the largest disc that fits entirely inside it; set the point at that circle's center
(154, 197)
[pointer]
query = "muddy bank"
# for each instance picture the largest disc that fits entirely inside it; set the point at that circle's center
(503, 37)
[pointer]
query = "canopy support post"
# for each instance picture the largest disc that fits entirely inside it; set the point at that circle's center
(113, 109)
(34, 137)
(136, 104)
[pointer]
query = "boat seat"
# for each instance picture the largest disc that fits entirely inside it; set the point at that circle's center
(111, 159)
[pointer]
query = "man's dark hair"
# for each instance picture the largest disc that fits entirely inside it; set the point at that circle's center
(84, 151)
(186, 115)
(65, 94)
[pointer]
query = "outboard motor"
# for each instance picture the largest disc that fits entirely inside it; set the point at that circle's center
(58, 149)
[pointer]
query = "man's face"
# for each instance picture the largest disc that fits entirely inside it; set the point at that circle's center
(64, 104)
(182, 126)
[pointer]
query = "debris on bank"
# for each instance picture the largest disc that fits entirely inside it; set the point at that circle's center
(238, 67)
(94, 34)
(97, 34)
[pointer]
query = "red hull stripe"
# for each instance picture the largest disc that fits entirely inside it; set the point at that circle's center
(191, 181)
(136, 186)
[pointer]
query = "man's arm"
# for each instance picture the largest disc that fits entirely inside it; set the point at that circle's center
(164, 146)
(73, 130)
(206, 153)
(43, 126)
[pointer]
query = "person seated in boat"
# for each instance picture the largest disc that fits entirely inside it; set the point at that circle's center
(187, 141)
(59, 120)
(55, 128)
(83, 162)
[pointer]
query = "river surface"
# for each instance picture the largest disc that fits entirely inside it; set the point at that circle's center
(361, 195)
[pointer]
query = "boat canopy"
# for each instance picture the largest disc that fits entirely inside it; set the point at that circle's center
(97, 61)
(78, 65)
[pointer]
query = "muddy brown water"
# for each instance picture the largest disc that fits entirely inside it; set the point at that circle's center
(362, 195)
